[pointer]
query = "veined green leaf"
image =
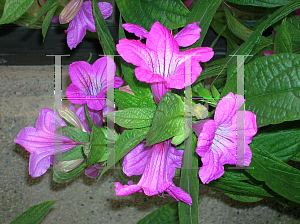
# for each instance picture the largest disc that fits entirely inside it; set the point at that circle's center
(62, 177)
(168, 120)
(135, 117)
(47, 20)
(48, 6)
(170, 13)
(274, 94)
(165, 214)
(283, 41)
(34, 214)
(261, 3)
(14, 9)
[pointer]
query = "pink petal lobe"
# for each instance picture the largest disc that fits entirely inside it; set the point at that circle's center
(202, 54)
(298, 11)
(106, 9)
(179, 195)
(97, 102)
(158, 90)
(76, 95)
(137, 53)
(136, 160)
(188, 35)
(136, 29)
(124, 190)
(267, 53)
(144, 75)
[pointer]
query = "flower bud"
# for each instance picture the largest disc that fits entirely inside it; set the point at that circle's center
(70, 116)
(199, 111)
(70, 11)
(67, 166)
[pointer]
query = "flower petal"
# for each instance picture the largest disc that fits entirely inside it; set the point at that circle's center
(202, 54)
(97, 102)
(145, 75)
(179, 195)
(137, 53)
(158, 90)
(188, 35)
(126, 189)
(136, 29)
(267, 53)
(136, 160)
(76, 95)
(38, 164)
(106, 9)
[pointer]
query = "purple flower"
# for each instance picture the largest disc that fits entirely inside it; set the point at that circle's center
(267, 53)
(186, 37)
(160, 62)
(90, 82)
(41, 142)
(157, 165)
(217, 140)
(84, 20)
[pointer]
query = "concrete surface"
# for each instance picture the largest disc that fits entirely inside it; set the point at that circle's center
(24, 91)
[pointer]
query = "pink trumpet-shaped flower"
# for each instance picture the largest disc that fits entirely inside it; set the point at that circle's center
(160, 62)
(42, 141)
(217, 140)
(157, 165)
(185, 37)
(90, 82)
(84, 20)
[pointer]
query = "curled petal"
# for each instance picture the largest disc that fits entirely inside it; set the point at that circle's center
(136, 29)
(267, 53)
(145, 75)
(179, 195)
(188, 35)
(159, 89)
(124, 190)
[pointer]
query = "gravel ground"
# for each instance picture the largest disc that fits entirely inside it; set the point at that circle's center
(24, 91)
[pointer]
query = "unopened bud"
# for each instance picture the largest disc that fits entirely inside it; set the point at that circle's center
(67, 166)
(199, 111)
(70, 11)
(70, 116)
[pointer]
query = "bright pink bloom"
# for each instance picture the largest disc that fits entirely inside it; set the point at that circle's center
(90, 82)
(157, 165)
(185, 37)
(217, 141)
(83, 21)
(160, 62)
(41, 142)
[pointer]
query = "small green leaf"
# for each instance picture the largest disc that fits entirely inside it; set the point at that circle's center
(168, 120)
(50, 4)
(296, 157)
(261, 3)
(34, 214)
(135, 117)
(126, 100)
(170, 13)
(62, 177)
(14, 9)
(126, 142)
(244, 198)
(87, 117)
(283, 41)
(165, 214)
(75, 153)
(76, 134)
(215, 92)
(98, 146)
(47, 21)
(234, 174)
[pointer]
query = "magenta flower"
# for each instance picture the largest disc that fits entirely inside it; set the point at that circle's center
(41, 142)
(159, 61)
(84, 20)
(157, 165)
(90, 82)
(267, 53)
(217, 140)
(186, 37)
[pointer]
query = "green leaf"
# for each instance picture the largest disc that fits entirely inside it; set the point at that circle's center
(273, 95)
(50, 4)
(261, 3)
(105, 38)
(165, 214)
(135, 117)
(178, 139)
(203, 12)
(47, 21)
(168, 120)
(282, 141)
(76, 134)
(25, 19)
(205, 93)
(126, 142)
(14, 9)
(170, 13)
(62, 177)
(296, 157)
(234, 174)
(87, 116)
(215, 92)
(125, 100)
(280, 177)
(283, 41)
(189, 182)
(239, 187)
(75, 153)
(236, 27)
(255, 37)
(34, 214)
(98, 146)
(244, 198)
